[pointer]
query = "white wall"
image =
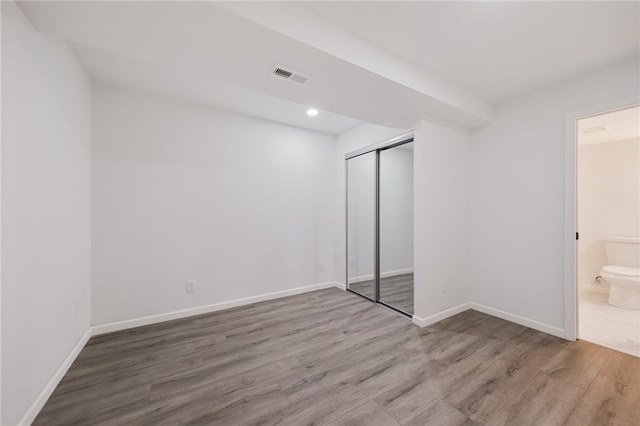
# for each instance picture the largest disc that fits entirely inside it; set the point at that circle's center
(183, 192)
(517, 178)
(608, 201)
(46, 133)
(442, 164)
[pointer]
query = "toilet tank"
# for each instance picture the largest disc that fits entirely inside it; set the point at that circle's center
(623, 251)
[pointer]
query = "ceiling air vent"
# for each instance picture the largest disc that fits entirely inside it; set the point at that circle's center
(294, 76)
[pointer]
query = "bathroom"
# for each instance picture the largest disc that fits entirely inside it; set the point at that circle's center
(608, 177)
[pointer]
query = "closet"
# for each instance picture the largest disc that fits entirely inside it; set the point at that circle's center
(379, 182)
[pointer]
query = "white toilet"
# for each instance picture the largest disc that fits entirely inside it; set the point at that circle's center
(623, 271)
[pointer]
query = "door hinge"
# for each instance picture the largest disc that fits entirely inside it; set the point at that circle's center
(577, 236)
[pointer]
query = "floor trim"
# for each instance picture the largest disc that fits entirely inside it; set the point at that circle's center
(546, 328)
(432, 319)
(37, 405)
(341, 286)
(387, 274)
(168, 316)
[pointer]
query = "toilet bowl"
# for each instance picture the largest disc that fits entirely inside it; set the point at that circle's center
(624, 290)
(623, 271)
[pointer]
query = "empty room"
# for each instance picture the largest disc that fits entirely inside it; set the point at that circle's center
(327, 213)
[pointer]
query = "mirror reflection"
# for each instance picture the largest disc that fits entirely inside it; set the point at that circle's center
(361, 208)
(396, 227)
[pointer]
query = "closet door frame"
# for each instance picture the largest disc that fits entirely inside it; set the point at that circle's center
(402, 139)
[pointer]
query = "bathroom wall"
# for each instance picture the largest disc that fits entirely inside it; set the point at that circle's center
(608, 201)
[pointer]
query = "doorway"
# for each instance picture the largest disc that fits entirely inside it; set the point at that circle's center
(608, 219)
(380, 223)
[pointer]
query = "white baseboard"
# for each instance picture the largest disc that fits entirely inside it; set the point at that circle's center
(397, 272)
(360, 278)
(340, 285)
(37, 405)
(546, 328)
(387, 274)
(432, 319)
(168, 316)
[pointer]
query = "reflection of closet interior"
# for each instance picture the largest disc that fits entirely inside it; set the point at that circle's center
(380, 222)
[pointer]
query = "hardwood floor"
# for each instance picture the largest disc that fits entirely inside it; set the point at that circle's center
(396, 291)
(332, 358)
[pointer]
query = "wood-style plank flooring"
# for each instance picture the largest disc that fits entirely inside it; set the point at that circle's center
(332, 358)
(396, 291)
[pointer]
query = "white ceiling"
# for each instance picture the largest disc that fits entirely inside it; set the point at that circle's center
(387, 63)
(613, 126)
(495, 49)
(135, 74)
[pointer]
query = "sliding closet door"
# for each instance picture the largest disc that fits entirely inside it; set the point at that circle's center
(361, 220)
(396, 227)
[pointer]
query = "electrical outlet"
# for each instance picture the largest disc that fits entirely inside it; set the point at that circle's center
(445, 281)
(190, 286)
(321, 267)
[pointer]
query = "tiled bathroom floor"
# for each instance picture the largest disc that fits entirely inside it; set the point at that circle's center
(606, 325)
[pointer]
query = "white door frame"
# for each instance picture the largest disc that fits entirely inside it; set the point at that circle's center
(570, 208)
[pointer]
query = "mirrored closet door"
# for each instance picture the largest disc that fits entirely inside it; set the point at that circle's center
(380, 223)
(396, 227)
(361, 211)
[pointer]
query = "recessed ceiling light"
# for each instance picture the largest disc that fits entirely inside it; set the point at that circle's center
(312, 112)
